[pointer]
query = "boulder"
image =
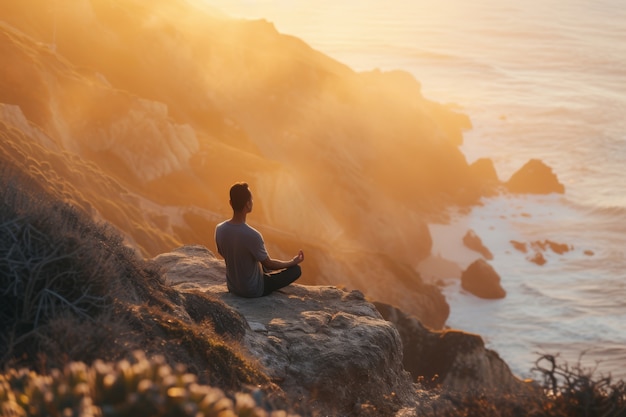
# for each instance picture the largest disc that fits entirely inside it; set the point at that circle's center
(539, 247)
(538, 259)
(534, 177)
(558, 248)
(520, 246)
(482, 280)
(473, 241)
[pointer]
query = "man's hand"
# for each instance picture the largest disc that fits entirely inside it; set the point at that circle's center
(274, 264)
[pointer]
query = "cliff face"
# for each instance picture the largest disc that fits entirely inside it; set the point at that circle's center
(145, 113)
(453, 359)
(334, 351)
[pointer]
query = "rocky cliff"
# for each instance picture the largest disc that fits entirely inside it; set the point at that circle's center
(334, 350)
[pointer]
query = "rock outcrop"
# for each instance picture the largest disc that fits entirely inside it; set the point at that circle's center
(535, 177)
(538, 259)
(540, 247)
(338, 352)
(520, 246)
(482, 280)
(484, 172)
(327, 346)
(475, 243)
(452, 359)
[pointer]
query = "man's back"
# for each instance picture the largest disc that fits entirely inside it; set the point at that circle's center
(243, 249)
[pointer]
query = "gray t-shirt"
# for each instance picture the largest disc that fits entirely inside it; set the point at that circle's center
(243, 249)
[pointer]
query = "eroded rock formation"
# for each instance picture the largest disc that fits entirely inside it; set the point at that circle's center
(535, 177)
(452, 359)
(475, 243)
(482, 280)
(540, 248)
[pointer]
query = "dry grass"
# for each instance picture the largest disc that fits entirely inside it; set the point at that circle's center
(577, 391)
(72, 290)
(565, 391)
(55, 261)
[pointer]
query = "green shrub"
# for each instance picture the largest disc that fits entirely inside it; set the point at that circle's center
(137, 387)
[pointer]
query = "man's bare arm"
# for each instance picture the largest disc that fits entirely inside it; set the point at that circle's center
(274, 264)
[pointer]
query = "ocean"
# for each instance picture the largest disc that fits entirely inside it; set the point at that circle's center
(541, 79)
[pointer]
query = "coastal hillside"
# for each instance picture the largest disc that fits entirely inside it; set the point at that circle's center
(143, 114)
(91, 329)
(122, 126)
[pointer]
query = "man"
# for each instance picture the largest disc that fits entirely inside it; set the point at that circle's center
(244, 252)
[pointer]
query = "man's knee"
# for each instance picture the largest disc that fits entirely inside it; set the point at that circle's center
(297, 270)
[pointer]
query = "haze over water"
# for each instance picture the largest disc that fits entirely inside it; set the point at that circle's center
(539, 79)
